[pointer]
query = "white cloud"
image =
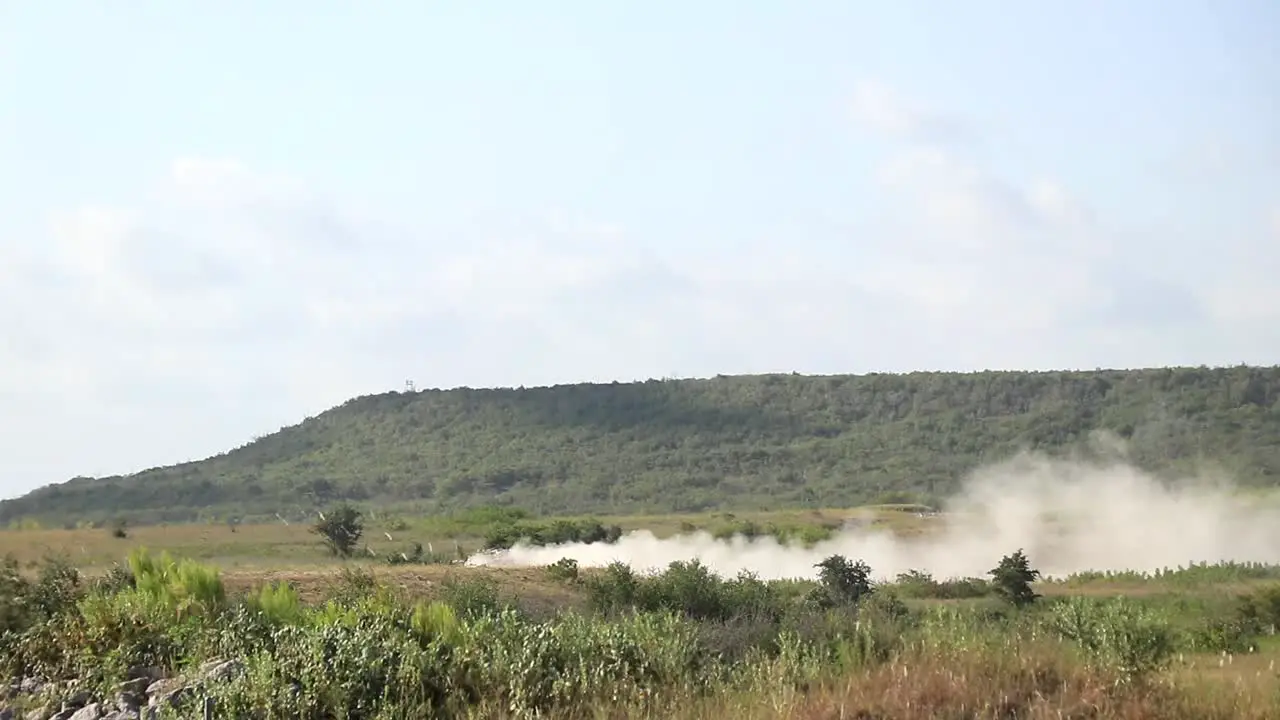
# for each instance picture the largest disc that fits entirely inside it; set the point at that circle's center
(229, 301)
(883, 110)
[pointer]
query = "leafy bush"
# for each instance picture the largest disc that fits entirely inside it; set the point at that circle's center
(56, 589)
(340, 530)
(1012, 579)
(688, 589)
(471, 597)
(180, 586)
(1132, 638)
(842, 582)
(1260, 610)
(116, 579)
(921, 585)
(564, 570)
(13, 596)
(277, 602)
(351, 585)
(557, 532)
(614, 590)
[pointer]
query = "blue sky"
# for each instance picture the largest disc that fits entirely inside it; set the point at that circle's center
(223, 217)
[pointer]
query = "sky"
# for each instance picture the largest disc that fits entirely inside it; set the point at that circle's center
(217, 219)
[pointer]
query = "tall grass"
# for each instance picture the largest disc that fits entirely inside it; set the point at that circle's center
(681, 643)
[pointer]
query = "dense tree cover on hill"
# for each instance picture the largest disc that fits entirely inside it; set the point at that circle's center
(747, 442)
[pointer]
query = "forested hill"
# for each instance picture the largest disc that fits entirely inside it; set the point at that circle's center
(726, 443)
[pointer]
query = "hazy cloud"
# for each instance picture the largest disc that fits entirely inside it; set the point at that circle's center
(886, 111)
(227, 301)
(1069, 516)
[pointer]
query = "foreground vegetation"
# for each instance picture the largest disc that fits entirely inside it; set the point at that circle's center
(728, 443)
(170, 638)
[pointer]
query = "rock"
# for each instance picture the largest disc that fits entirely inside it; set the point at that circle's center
(136, 686)
(164, 686)
(6, 713)
(76, 699)
(130, 701)
(133, 694)
(170, 691)
(63, 715)
(123, 715)
(221, 671)
(92, 711)
(30, 686)
(150, 672)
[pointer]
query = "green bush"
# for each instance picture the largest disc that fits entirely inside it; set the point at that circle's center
(180, 586)
(1132, 638)
(1012, 579)
(921, 585)
(564, 570)
(666, 637)
(1260, 610)
(277, 602)
(558, 532)
(472, 597)
(842, 582)
(351, 585)
(13, 596)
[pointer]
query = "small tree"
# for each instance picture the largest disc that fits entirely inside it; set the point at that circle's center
(1012, 579)
(843, 581)
(120, 528)
(340, 529)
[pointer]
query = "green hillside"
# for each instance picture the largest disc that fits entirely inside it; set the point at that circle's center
(684, 445)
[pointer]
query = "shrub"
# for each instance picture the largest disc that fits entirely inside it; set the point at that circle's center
(117, 579)
(916, 584)
(842, 582)
(56, 590)
(613, 590)
(13, 596)
(436, 621)
(1260, 609)
(1131, 638)
(1012, 579)
(180, 586)
(277, 602)
(351, 585)
(340, 530)
(564, 570)
(472, 597)
(558, 532)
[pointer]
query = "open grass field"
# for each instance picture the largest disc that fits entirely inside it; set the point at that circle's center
(279, 544)
(315, 636)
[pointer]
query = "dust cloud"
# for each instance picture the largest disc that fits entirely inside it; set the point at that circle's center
(1068, 514)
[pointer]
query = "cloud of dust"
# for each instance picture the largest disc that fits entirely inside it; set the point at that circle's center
(1068, 515)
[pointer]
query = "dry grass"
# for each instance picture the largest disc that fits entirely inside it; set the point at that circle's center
(1031, 683)
(530, 586)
